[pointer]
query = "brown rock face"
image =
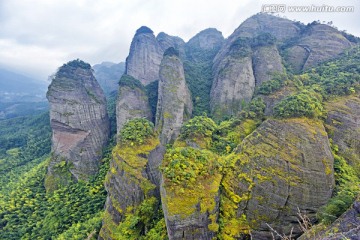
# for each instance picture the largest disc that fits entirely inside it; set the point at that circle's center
(144, 57)
(282, 166)
(79, 123)
(174, 101)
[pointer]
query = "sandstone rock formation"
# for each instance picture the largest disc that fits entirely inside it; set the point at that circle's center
(282, 166)
(280, 28)
(204, 45)
(166, 41)
(144, 57)
(174, 99)
(233, 85)
(319, 43)
(79, 123)
(134, 177)
(242, 59)
(266, 62)
(132, 101)
(343, 124)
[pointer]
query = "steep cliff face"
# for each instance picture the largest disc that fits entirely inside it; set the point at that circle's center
(79, 123)
(205, 44)
(166, 41)
(174, 99)
(266, 62)
(132, 101)
(200, 52)
(134, 175)
(343, 124)
(282, 29)
(144, 57)
(318, 43)
(283, 165)
(248, 57)
(233, 85)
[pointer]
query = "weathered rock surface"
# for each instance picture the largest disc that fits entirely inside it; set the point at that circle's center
(134, 176)
(174, 100)
(234, 83)
(282, 166)
(343, 123)
(79, 123)
(108, 74)
(280, 28)
(132, 102)
(317, 44)
(345, 227)
(144, 57)
(166, 41)
(233, 70)
(204, 45)
(266, 62)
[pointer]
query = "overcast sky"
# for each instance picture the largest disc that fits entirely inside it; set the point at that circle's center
(38, 36)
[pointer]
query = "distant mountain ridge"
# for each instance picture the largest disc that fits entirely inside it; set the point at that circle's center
(17, 87)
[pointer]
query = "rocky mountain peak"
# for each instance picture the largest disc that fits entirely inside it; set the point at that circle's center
(144, 57)
(174, 105)
(143, 30)
(79, 123)
(207, 39)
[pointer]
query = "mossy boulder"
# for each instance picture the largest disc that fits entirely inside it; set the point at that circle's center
(190, 192)
(283, 166)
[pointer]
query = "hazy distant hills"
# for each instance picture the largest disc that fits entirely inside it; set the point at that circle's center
(15, 87)
(108, 75)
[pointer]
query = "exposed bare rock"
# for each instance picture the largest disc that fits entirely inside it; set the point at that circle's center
(266, 62)
(132, 101)
(280, 28)
(280, 167)
(166, 41)
(234, 83)
(79, 123)
(144, 57)
(318, 43)
(174, 100)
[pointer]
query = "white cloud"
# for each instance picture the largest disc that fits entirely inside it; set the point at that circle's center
(37, 36)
